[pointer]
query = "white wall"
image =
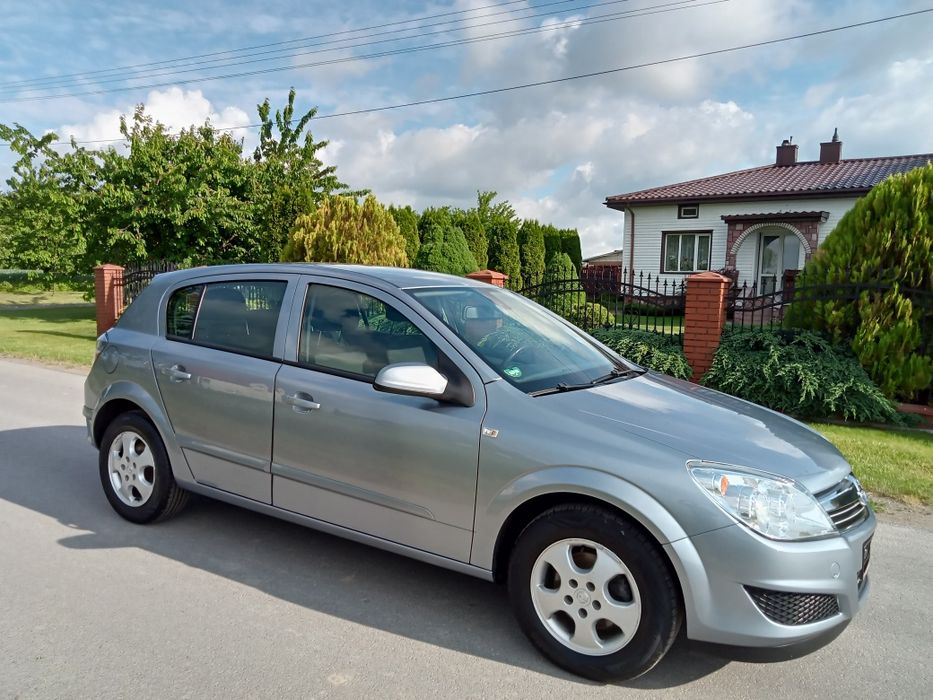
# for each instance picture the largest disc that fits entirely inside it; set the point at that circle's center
(652, 220)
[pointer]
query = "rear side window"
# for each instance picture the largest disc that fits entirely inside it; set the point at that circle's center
(239, 316)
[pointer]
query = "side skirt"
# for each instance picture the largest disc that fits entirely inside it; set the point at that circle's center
(338, 531)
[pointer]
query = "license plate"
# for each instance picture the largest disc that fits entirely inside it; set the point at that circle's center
(866, 557)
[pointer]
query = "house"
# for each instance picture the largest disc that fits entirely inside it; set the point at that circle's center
(756, 223)
(613, 258)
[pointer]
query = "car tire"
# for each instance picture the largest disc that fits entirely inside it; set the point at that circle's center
(135, 471)
(594, 593)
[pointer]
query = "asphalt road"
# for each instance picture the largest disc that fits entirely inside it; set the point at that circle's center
(221, 602)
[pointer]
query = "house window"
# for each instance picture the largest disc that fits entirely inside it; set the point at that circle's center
(686, 252)
(688, 211)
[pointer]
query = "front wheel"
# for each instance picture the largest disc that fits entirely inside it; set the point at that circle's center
(593, 593)
(135, 471)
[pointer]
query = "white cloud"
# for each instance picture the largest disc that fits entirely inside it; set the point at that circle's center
(176, 108)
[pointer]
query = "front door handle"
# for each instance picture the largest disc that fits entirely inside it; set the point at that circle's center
(302, 403)
(176, 373)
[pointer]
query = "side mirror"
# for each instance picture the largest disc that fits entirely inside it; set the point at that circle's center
(411, 379)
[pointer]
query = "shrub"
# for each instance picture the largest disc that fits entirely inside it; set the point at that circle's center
(797, 372)
(562, 292)
(443, 246)
(407, 220)
(342, 230)
(885, 239)
(531, 251)
(652, 350)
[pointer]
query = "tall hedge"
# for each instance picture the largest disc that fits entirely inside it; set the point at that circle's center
(407, 220)
(502, 233)
(344, 231)
(475, 234)
(885, 239)
(443, 246)
(531, 250)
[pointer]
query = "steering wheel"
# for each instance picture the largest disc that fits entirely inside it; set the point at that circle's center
(515, 353)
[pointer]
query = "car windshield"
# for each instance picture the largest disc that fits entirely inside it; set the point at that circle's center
(520, 340)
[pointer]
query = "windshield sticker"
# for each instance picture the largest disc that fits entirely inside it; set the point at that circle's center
(513, 372)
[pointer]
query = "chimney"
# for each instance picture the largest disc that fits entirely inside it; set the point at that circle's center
(831, 151)
(786, 153)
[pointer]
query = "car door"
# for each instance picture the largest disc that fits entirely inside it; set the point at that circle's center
(215, 366)
(402, 468)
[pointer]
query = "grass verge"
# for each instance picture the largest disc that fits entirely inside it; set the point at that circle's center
(893, 463)
(62, 335)
(38, 296)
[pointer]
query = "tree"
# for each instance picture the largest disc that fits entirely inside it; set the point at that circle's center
(187, 198)
(407, 220)
(501, 226)
(531, 251)
(472, 226)
(343, 231)
(570, 244)
(291, 178)
(562, 292)
(443, 246)
(884, 242)
(41, 216)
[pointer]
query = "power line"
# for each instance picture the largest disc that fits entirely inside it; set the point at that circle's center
(627, 14)
(281, 54)
(540, 83)
(181, 59)
(293, 53)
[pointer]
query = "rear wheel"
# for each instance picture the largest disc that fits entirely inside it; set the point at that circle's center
(135, 471)
(593, 593)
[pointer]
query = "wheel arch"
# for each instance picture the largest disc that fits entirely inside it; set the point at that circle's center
(121, 397)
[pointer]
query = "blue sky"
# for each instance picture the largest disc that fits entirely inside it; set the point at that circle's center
(555, 151)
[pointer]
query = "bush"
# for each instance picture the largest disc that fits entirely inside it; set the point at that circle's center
(797, 372)
(443, 246)
(652, 350)
(886, 239)
(561, 292)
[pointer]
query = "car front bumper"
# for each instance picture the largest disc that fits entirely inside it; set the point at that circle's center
(724, 571)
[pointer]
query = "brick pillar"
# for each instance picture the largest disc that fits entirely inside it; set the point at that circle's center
(490, 277)
(704, 319)
(108, 294)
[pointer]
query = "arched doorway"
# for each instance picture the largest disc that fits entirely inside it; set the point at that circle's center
(778, 250)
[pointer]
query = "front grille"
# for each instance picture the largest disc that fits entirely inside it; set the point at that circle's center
(794, 608)
(844, 504)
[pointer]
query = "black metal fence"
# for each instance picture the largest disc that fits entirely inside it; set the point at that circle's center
(136, 277)
(750, 307)
(608, 296)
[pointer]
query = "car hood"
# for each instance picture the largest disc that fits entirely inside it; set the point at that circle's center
(709, 425)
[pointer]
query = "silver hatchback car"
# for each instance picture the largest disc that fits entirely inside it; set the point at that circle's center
(463, 425)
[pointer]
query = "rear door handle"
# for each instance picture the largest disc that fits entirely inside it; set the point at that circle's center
(302, 403)
(176, 373)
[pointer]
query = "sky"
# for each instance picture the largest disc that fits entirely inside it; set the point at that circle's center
(555, 151)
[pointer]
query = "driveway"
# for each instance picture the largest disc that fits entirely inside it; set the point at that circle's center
(221, 602)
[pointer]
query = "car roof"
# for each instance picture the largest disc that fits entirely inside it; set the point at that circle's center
(399, 277)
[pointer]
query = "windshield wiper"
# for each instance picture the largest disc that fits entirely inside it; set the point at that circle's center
(614, 374)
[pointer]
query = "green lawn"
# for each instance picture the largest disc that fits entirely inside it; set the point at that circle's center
(893, 463)
(19, 298)
(63, 335)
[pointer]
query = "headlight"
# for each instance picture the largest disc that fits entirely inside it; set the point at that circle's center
(770, 505)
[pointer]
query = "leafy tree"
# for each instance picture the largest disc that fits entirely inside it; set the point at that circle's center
(185, 198)
(885, 240)
(291, 178)
(443, 246)
(552, 243)
(41, 216)
(472, 227)
(407, 220)
(531, 250)
(342, 230)
(501, 226)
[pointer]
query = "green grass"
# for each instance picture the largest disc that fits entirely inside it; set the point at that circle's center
(39, 296)
(893, 463)
(62, 335)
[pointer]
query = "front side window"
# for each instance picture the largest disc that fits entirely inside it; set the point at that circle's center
(239, 316)
(686, 252)
(520, 340)
(357, 334)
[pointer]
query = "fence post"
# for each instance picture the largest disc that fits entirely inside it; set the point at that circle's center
(108, 294)
(704, 318)
(490, 277)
